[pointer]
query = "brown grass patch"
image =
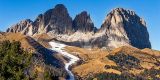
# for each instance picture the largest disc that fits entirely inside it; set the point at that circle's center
(39, 69)
(86, 54)
(18, 37)
(151, 52)
(142, 56)
(43, 39)
(93, 66)
(135, 71)
(113, 71)
(94, 61)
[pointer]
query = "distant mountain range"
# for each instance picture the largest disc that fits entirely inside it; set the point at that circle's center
(121, 27)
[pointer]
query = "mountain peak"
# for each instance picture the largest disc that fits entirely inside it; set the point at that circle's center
(121, 27)
(125, 26)
(24, 26)
(60, 9)
(122, 11)
(60, 6)
(26, 20)
(83, 22)
(84, 13)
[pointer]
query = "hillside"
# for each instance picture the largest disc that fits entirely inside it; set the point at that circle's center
(119, 61)
(43, 39)
(44, 61)
(25, 43)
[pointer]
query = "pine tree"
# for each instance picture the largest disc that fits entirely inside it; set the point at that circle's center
(13, 61)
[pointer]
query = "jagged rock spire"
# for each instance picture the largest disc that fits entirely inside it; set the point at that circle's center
(83, 22)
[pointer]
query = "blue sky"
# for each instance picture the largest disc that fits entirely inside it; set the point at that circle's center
(12, 11)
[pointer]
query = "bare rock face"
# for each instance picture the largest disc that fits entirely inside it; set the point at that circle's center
(25, 27)
(56, 20)
(83, 23)
(124, 27)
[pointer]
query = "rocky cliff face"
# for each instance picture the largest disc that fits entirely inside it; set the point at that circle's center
(120, 27)
(25, 27)
(124, 27)
(83, 23)
(56, 20)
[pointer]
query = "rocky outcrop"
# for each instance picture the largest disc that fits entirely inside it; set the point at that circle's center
(25, 27)
(83, 23)
(124, 27)
(56, 20)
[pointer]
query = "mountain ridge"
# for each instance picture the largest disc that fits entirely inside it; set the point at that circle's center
(120, 27)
